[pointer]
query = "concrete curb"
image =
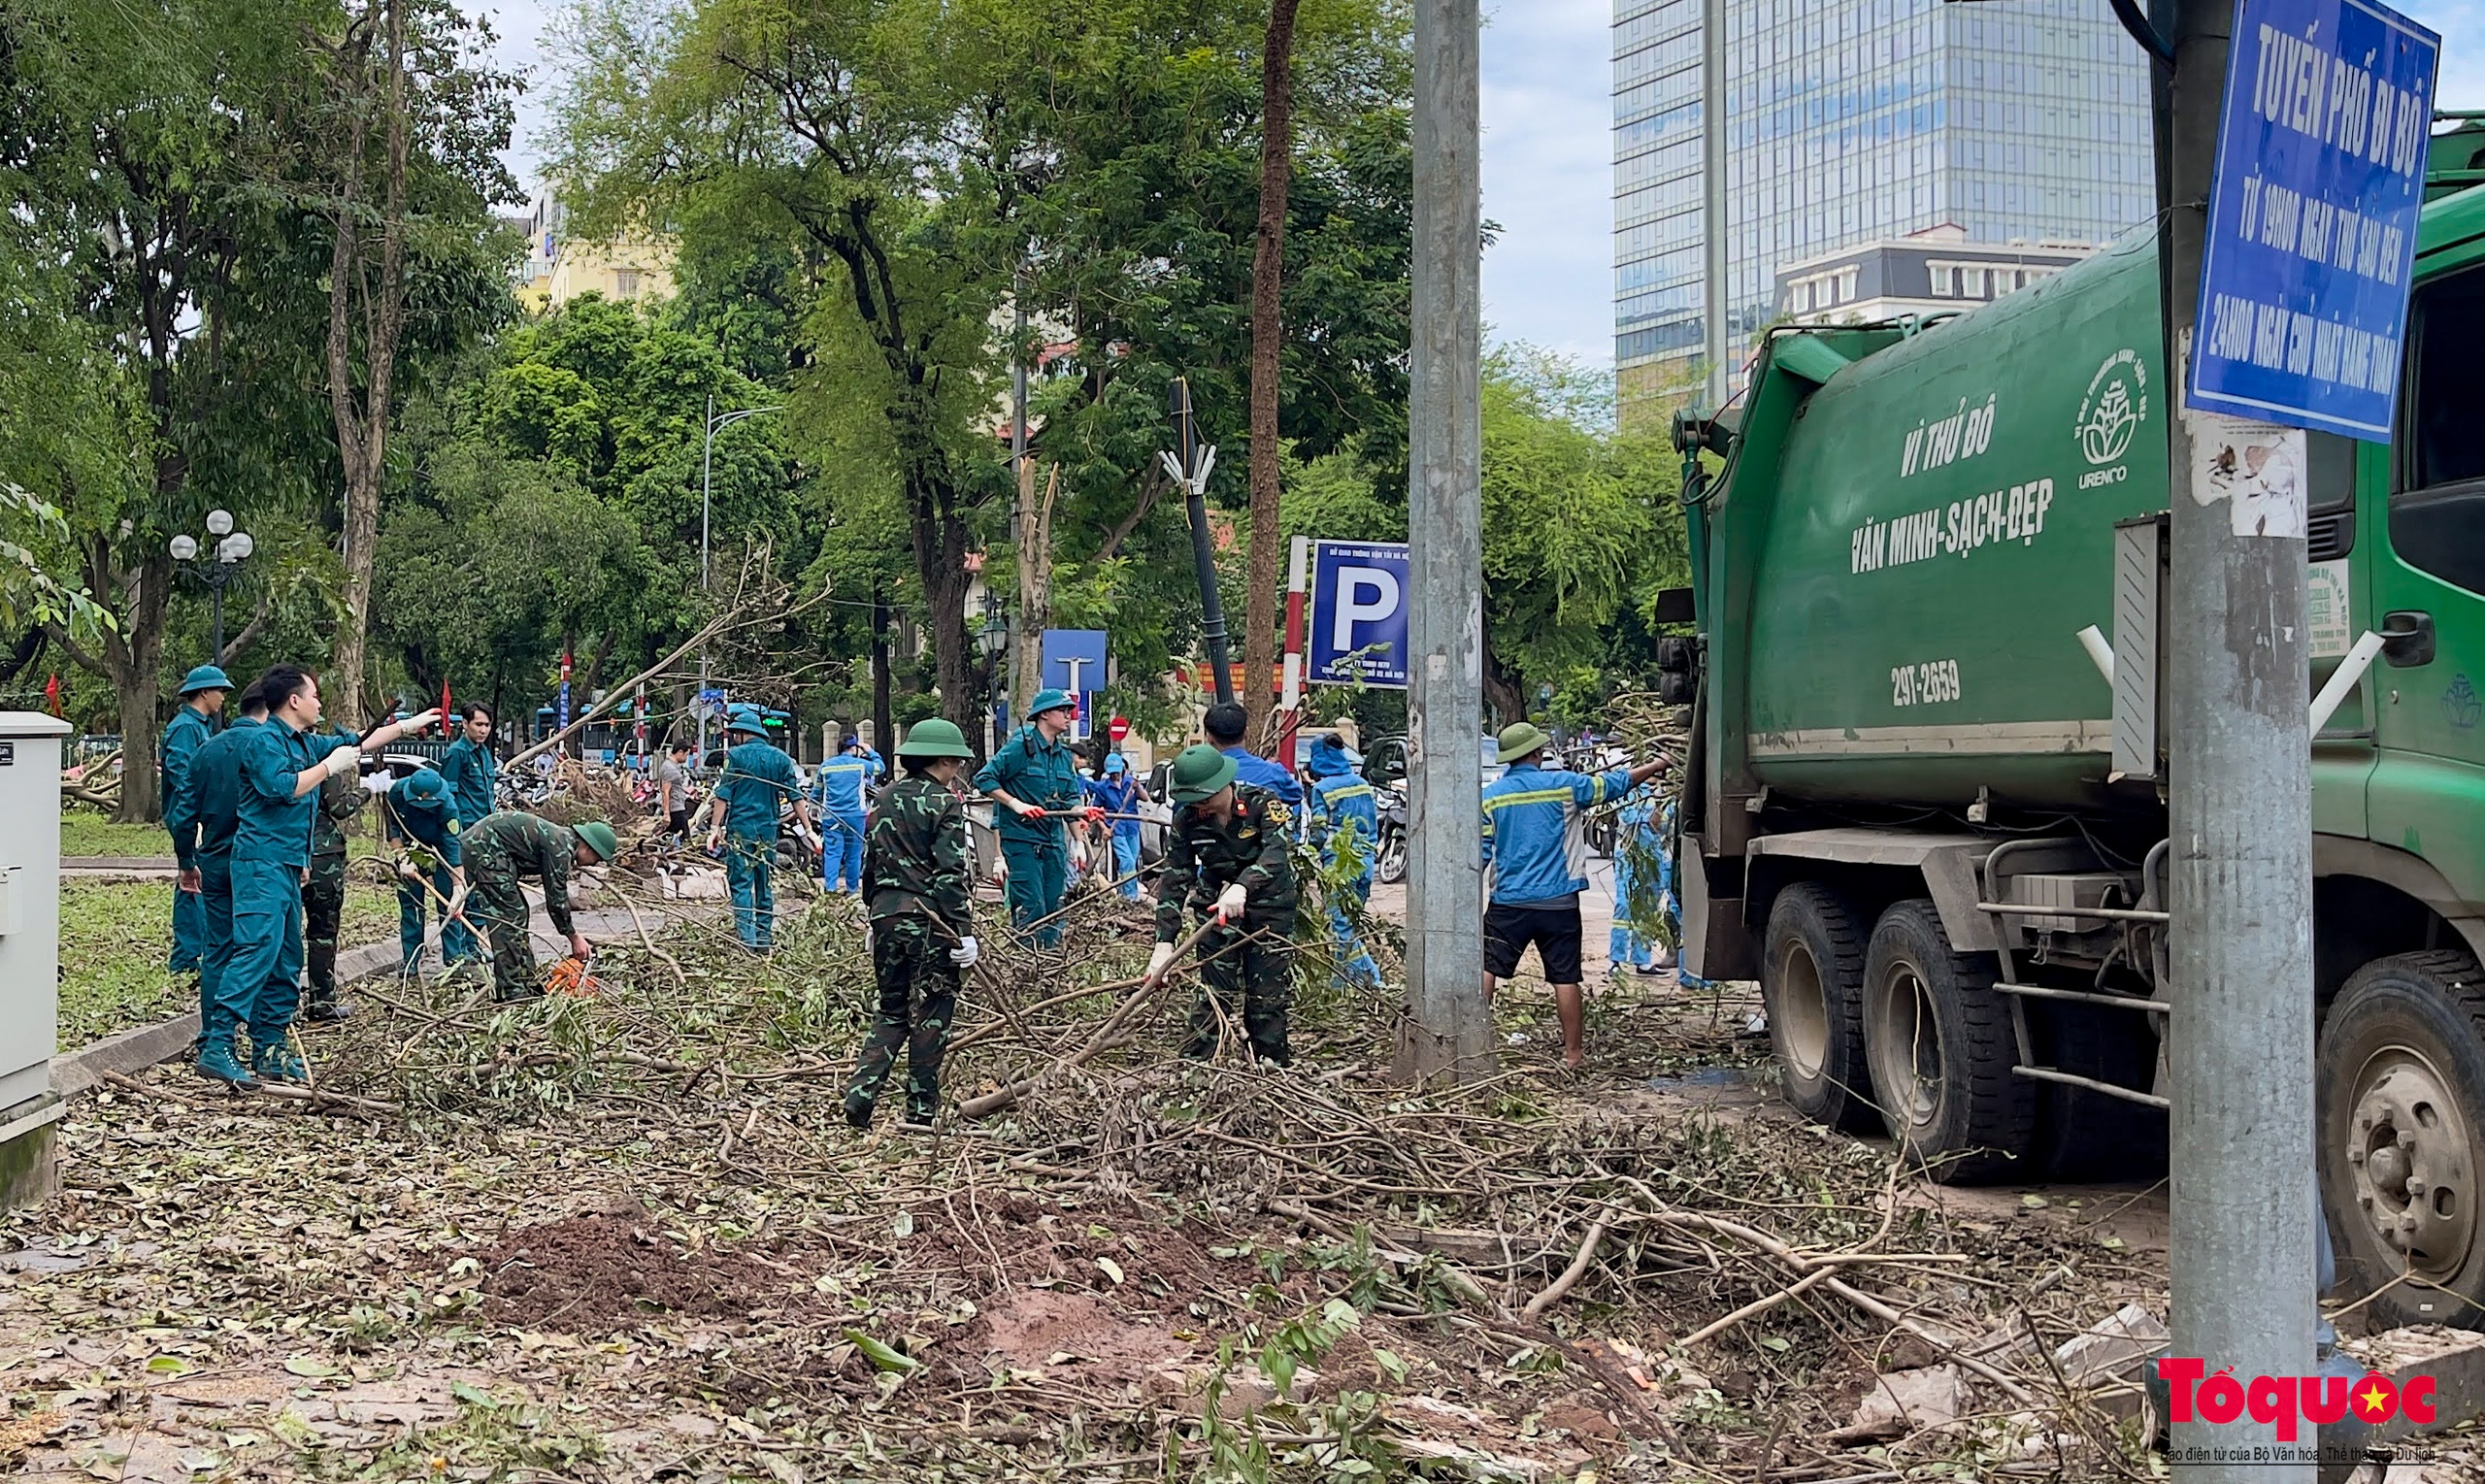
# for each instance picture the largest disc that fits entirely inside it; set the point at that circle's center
(130, 1052)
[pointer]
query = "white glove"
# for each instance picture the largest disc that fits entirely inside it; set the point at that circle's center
(379, 783)
(456, 900)
(346, 759)
(966, 953)
(408, 870)
(1231, 902)
(420, 722)
(1157, 959)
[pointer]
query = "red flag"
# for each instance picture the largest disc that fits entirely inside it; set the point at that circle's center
(445, 712)
(51, 695)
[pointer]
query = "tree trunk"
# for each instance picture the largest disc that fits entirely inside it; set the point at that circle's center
(883, 717)
(362, 431)
(1035, 583)
(1504, 687)
(131, 661)
(1268, 277)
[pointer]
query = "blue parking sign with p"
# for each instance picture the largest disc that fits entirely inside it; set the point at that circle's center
(1358, 614)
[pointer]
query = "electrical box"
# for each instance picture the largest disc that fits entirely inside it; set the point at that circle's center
(30, 745)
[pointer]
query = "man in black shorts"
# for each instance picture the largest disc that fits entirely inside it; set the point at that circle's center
(672, 789)
(1536, 865)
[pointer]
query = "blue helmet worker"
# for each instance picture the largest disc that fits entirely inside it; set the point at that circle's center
(1345, 829)
(843, 791)
(1119, 794)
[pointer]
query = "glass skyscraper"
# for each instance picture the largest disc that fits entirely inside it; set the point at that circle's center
(1850, 121)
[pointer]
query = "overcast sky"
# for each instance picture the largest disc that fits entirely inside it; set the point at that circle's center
(1549, 167)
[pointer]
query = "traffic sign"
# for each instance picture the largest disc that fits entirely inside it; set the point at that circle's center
(2321, 156)
(1075, 660)
(1358, 614)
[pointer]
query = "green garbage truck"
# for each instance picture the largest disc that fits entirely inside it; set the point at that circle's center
(1926, 806)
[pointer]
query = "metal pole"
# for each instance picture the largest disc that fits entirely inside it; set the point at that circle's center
(1448, 1031)
(1203, 548)
(1712, 175)
(216, 602)
(2240, 817)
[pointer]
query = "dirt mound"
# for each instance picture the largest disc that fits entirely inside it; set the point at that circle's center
(585, 1274)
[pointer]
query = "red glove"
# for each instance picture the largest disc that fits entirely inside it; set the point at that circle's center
(1032, 811)
(1096, 813)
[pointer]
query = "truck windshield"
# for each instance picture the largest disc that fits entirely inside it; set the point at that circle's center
(2437, 512)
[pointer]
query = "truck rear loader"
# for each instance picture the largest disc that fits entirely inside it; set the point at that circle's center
(1923, 815)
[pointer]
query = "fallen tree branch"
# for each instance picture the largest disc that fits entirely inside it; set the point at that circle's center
(1569, 1275)
(1097, 1044)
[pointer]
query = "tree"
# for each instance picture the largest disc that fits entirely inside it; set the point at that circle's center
(428, 88)
(1577, 520)
(1268, 272)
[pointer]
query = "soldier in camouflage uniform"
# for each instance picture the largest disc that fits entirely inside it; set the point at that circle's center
(914, 885)
(1227, 862)
(501, 853)
(323, 893)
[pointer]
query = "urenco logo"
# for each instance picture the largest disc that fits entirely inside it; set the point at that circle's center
(2283, 1403)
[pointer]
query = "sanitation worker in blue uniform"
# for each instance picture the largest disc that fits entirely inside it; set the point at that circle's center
(1345, 829)
(1536, 865)
(431, 874)
(1033, 783)
(757, 779)
(474, 791)
(844, 782)
(1120, 795)
(202, 702)
(215, 792)
(282, 766)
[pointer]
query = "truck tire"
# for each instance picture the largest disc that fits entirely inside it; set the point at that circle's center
(2089, 1136)
(2401, 1088)
(1811, 981)
(1940, 1046)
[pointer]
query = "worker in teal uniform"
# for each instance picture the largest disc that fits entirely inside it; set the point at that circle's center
(193, 723)
(756, 781)
(474, 783)
(1033, 779)
(1345, 829)
(282, 766)
(844, 785)
(432, 871)
(215, 786)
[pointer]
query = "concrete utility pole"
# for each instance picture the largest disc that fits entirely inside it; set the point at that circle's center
(2240, 807)
(1713, 179)
(1449, 1029)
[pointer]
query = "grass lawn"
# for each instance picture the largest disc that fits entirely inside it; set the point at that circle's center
(114, 938)
(85, 830)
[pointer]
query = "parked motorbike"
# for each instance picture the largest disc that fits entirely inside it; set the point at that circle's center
(1389, 851)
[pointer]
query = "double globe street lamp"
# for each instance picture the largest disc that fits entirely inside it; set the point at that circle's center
(231, 548)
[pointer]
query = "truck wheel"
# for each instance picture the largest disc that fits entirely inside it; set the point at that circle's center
(2400, 1083)
(1940, 1046)
(2088, 1135)
(1811, 981)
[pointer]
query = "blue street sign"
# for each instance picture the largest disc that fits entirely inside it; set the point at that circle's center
(1075, 660)
(1358, 614)
(2320, 176)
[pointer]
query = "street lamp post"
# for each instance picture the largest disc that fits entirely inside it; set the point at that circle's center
(993, 640)
(707, 488)
(230, 550)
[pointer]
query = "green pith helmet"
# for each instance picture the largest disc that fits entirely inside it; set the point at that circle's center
(1050, 699)
(934, 738)
(205, 678)
(1200, 771)
(598, 837)
(1522, 738)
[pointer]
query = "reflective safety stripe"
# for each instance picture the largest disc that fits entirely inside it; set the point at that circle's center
(1351, 791)
(1531, 796)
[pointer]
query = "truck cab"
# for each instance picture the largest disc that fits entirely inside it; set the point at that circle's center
(1935, 831)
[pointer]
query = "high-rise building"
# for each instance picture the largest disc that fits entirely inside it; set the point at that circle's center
(1848, 122)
